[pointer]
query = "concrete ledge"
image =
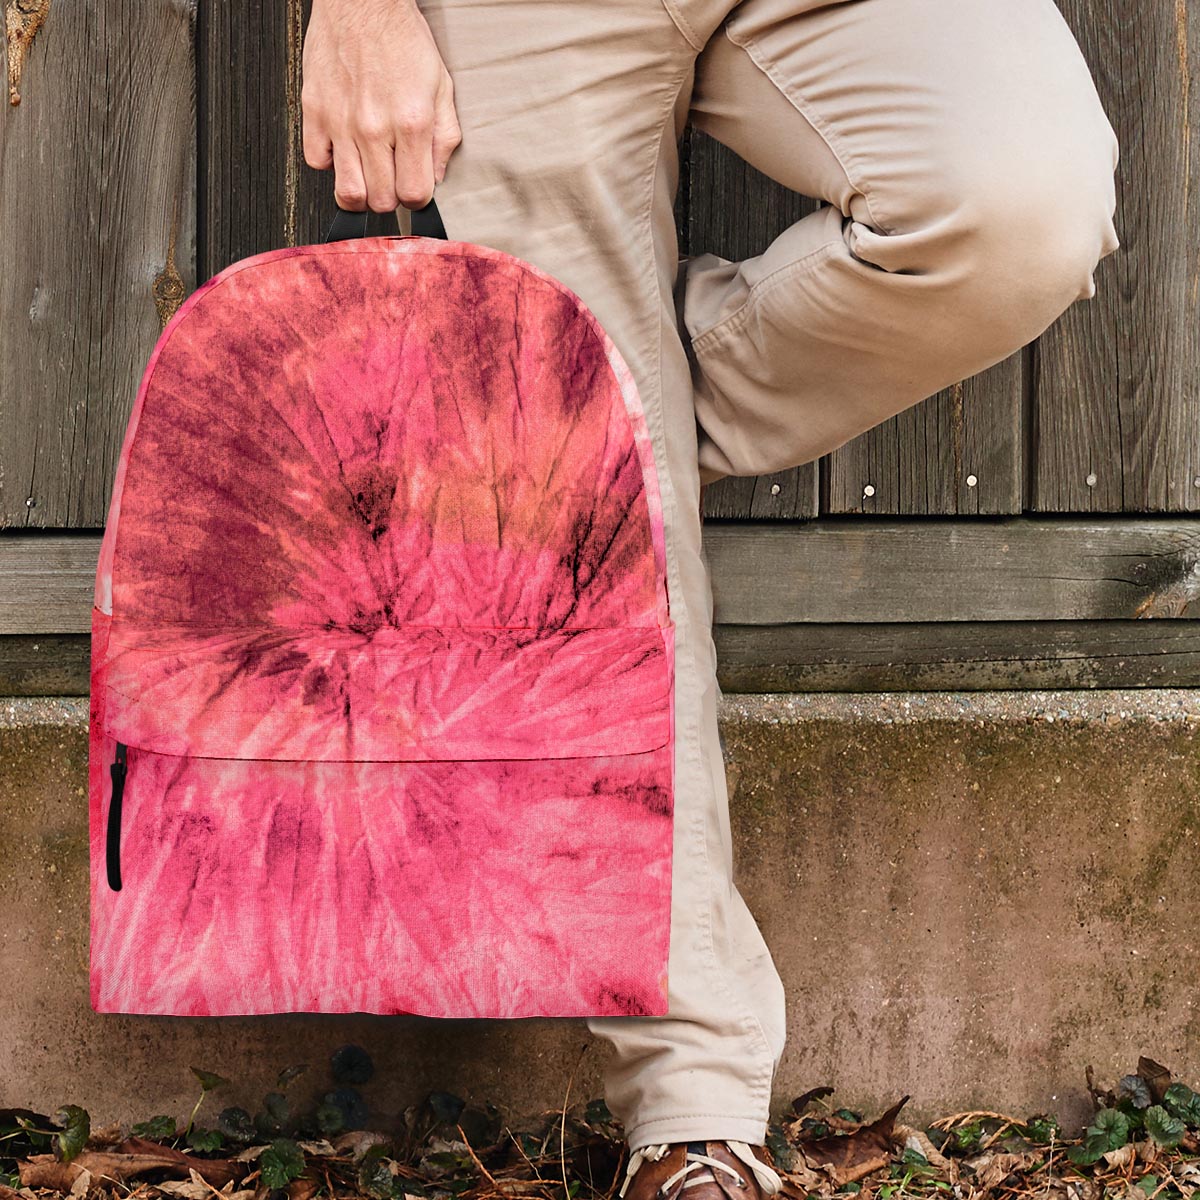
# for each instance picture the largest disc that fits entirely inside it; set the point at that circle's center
(970, 896)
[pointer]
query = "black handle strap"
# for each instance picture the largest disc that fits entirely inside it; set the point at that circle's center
(426, 222)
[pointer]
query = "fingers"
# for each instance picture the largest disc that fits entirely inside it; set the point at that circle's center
(349, 185)
(377, 153)
(388, 144)
(318, 148)
(413, 163)
(373, 171)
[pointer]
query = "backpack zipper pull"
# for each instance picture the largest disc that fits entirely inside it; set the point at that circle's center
(113, 842)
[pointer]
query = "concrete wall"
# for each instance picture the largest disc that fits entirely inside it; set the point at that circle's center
(970, 897)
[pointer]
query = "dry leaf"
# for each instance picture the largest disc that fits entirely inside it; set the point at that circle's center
(358, 1141)
(1123, 1156)
(321, 1148)
(193, 1188)
(1157, 1077)
(847, 1158)
(918, 1140)
(993, 1167)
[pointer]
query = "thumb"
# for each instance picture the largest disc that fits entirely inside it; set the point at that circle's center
(447, 133)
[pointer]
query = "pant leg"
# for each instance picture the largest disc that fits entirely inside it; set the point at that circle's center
(969, 171)
(570, 111)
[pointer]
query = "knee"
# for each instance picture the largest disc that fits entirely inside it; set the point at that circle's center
(1023, 235)
(1012, 238)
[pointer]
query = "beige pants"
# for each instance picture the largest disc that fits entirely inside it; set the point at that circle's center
(969, 172)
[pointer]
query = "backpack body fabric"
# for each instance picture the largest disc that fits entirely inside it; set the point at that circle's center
(382, 667)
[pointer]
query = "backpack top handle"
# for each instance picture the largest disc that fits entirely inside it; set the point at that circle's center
(426, 222)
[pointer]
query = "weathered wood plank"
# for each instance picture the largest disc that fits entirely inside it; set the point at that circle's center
(45, 665)
(957, 656)
(47, 583)
(97, 202)
(1118, 381)
(958, 452)
(1005, 569)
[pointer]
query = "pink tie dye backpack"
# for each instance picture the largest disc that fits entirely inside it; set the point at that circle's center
(382, 661)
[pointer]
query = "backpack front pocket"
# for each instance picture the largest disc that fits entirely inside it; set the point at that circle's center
(484, 888)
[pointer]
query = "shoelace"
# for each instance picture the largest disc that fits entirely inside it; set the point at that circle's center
(768, 1178)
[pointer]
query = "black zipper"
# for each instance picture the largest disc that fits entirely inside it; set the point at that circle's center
(113, 842)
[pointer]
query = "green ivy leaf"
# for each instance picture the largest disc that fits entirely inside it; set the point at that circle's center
(330, 1118)
(236, 1125)
(1136, 1088)
(209, 1080)
(1165, 1129)
(75, 1125)
(1087, 1152)
(1109, 1130)
(375, 1173)
(157, 1129)
(784, 1155)
(1112, 1126)
(207, 1141)
(354, 1108)
(281, 1162)
(351, 1064)
(1043, 1129)
(1180, 1101)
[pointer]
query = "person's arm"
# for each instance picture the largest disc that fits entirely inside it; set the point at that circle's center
(378, 103)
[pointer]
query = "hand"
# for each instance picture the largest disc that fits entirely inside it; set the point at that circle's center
(377, 103)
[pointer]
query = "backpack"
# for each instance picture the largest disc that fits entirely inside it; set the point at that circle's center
(382, 669)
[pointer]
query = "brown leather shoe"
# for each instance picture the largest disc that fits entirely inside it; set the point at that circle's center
(722, 1170)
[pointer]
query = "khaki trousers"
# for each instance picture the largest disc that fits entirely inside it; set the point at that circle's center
(968, 170)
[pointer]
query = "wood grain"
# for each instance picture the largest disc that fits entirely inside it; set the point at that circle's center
(97, 200)
(1117, 398)
(956, 656)
(1006, 568)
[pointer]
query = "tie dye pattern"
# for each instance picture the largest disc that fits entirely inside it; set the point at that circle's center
(381, 617)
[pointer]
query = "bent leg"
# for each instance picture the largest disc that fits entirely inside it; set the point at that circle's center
(968, 168)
